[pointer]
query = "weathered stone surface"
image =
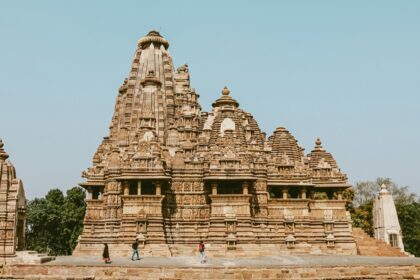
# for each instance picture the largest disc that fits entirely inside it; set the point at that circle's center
(12, 209)
(173, 175)
(314, 267)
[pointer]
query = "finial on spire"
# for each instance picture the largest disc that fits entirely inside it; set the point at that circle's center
(153, 37)
(225, 91)
(154, 33)
(226, 99)
(318, 144)
(3, 154)
(383, 189)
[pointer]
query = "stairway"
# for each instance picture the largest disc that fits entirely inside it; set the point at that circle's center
(33, 257)
(368, 246)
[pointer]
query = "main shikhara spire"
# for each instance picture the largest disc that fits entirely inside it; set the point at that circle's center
(169, 173)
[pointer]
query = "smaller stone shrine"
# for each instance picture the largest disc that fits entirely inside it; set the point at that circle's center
(12, 210)
(385, 220)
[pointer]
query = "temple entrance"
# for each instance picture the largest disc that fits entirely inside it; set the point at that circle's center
(393, 240)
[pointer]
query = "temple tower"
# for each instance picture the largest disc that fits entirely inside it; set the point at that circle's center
(12, 209)
(170, 175)
(385, 220)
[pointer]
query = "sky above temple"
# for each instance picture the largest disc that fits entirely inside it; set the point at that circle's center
(347, 72)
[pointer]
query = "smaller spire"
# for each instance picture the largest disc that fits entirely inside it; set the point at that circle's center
(318, 145)
(225, 91)
(3, 154)
(123, 87)
(226, 99)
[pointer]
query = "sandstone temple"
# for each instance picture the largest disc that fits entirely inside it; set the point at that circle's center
(12, 210)
(171, 175)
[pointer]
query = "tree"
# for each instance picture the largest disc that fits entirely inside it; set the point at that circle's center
(55, 222)
(409, 217)
(362, 217)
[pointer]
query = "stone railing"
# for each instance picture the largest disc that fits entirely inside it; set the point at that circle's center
(288, 208)
(328, 209)
(147, 204)
(227, 204)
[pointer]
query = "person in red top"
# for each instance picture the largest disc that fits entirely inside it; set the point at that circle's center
(201, 249)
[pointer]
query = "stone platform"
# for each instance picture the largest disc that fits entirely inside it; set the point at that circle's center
(269, 267)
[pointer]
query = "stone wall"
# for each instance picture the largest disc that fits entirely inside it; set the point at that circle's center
(61, 272)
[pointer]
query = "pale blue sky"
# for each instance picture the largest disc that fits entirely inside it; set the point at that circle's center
(346, 71)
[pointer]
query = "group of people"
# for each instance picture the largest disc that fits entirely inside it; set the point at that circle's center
(135, 247)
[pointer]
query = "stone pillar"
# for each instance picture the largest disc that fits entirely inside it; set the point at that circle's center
(285, 192)
(139, 187)
(340, 195)
(89, 193)
(245, 186)
(214, 188)
(303, 193)
(158, 188)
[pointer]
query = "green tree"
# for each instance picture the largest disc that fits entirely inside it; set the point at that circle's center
(55, 222)
(409, 217)
(362, 217)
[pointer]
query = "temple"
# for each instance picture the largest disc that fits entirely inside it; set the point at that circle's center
(385, 220)
(12, 210)
(171, 175)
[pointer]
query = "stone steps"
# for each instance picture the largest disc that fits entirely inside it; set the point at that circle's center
(368, 246)
(32, 257)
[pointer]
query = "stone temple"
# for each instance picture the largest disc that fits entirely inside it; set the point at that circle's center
(12, 209)
(171, 175)
(385, 220)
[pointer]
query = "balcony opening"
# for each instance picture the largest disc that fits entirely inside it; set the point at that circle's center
(275, 192)
(96, 193)
(293, 192)
(148, 188)
(229, 187)
(132, 188)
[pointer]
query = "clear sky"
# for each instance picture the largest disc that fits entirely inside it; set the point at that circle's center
(346, 71)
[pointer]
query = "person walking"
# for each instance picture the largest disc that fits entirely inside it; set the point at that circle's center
(105, 254)
(135, 247)
(201, 249)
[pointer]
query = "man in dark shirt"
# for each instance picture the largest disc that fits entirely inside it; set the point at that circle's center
(135, 247)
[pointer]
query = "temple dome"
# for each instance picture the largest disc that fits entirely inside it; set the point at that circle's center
(283, 143)
(228, 120)
(318, 155)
